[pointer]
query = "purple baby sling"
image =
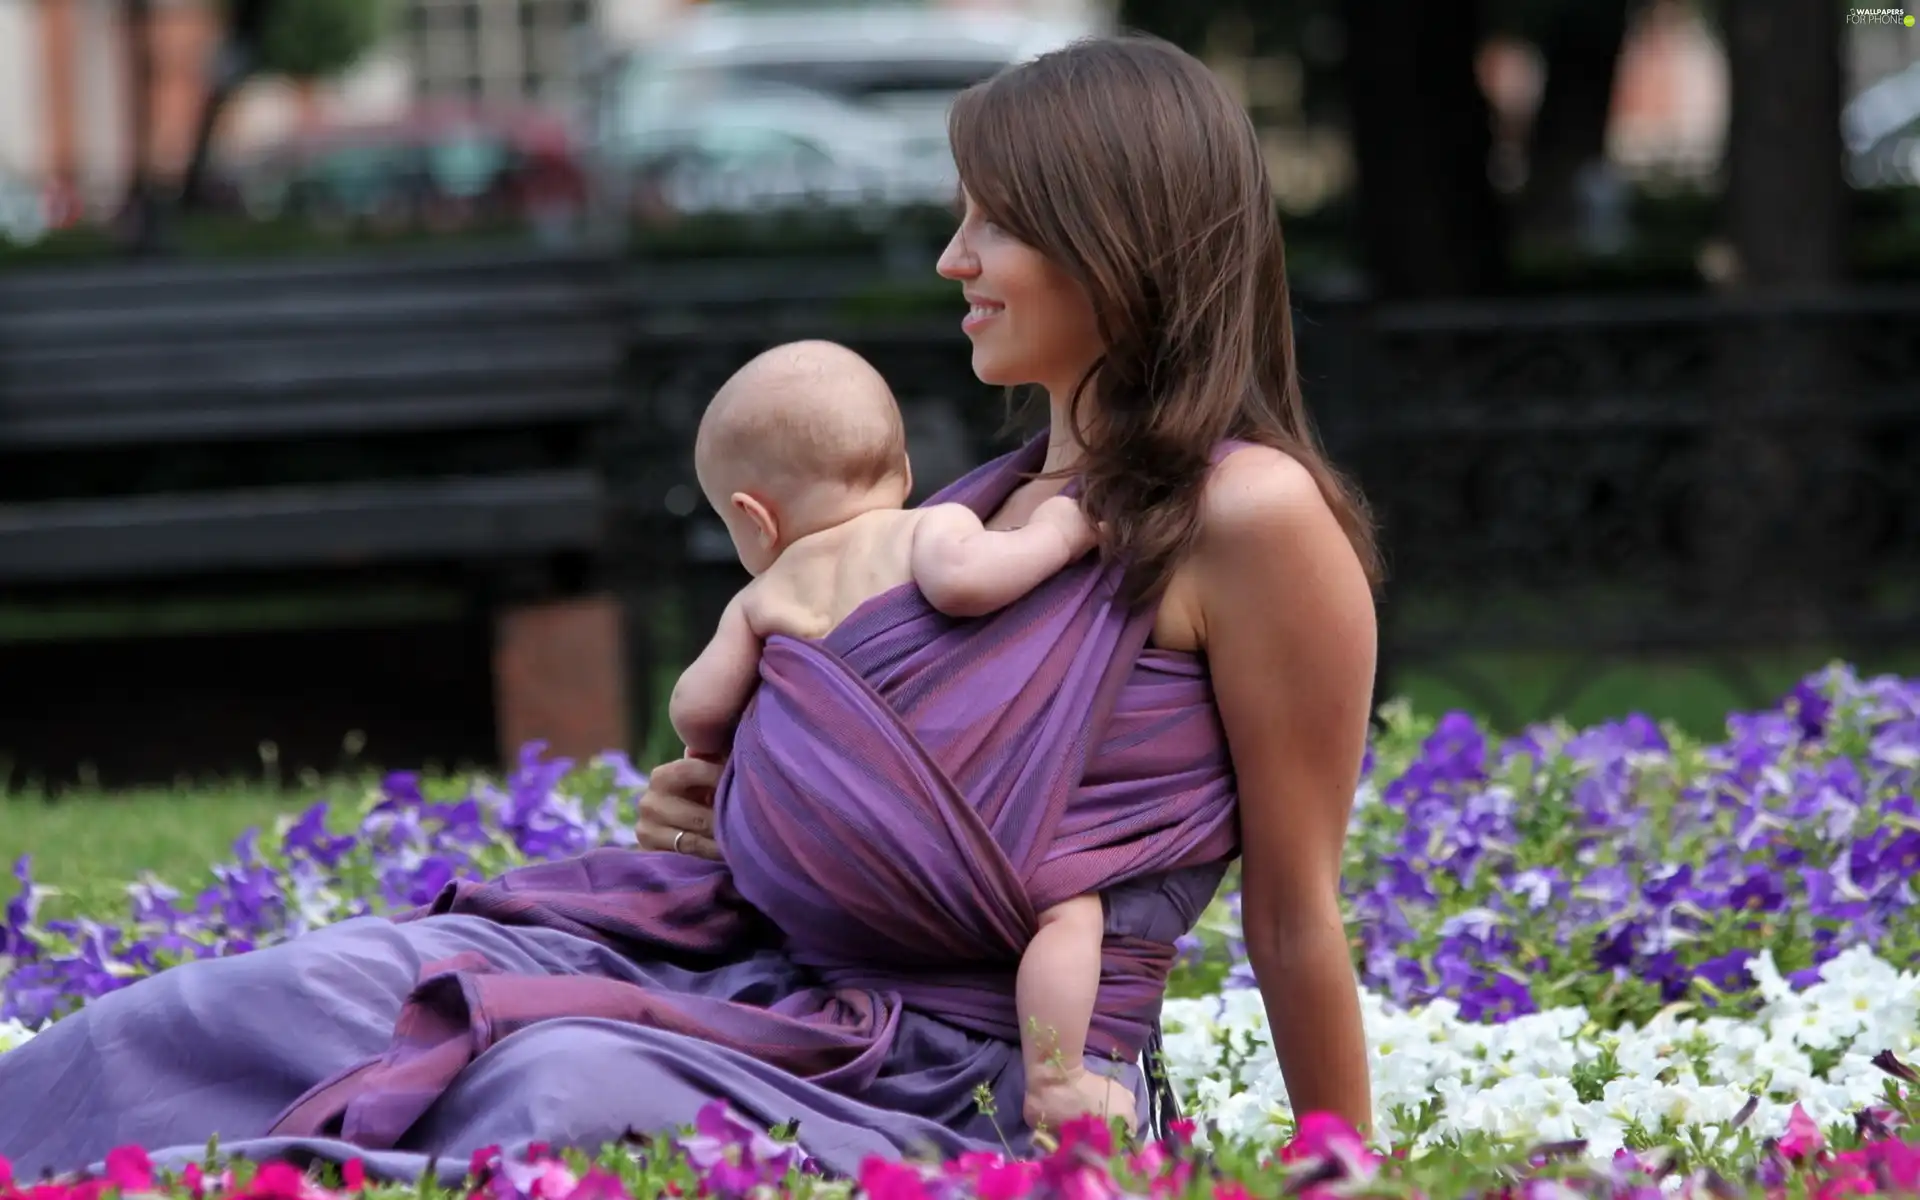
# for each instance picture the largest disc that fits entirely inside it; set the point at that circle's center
(903, 797)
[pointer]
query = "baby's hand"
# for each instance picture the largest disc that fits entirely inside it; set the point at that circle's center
(1055, 1097)
(1062, 513)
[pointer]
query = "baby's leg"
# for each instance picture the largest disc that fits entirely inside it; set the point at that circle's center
(1054, 994)
(1059, 978)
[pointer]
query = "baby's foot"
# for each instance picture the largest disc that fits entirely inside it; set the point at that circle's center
(1052, 1102)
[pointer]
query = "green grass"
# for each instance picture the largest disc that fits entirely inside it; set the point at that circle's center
(89, 845)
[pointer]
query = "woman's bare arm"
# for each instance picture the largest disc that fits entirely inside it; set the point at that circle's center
(1287, 622)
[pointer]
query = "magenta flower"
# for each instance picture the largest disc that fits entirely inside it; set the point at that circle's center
(886, 1179)
(199, 1184)
(1089, 1131)
(734, 1156)
(1803, 1139)
(482, 1162)
(1325, 1138)
(1085, 1181)
(543, 1179)
(283, 1181)
(600, 1184)
(995, 1176)
(129, 1169)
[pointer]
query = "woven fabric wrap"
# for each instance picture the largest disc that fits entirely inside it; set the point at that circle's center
(902, 799)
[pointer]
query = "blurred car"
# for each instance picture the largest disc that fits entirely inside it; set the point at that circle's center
(1881, 129)
(858, 95)
(27, 212)
(759, 147)
(440, 167)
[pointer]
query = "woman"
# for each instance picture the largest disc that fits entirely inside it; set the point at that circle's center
(906, 793)
(1119, 249)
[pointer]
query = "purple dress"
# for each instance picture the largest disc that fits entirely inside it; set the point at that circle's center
(903, 797)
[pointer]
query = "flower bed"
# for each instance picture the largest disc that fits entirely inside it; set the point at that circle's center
(1610, 934)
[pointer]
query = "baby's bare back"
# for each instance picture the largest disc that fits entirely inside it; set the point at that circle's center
(817, 582)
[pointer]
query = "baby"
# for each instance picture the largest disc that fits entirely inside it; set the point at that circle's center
(804, 455)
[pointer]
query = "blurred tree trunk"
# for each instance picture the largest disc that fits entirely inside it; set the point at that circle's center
(1786, 194)
(1581, 47)
(234, 62)
(1430, 223)
(300, 40)
(1783, 472)
(139, 216)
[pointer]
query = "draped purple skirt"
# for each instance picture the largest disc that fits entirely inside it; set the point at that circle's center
(221, 1047)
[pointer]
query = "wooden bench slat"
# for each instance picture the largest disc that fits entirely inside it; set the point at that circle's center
(226, 419)
(281, 312)
(342, 525)
(191, 373)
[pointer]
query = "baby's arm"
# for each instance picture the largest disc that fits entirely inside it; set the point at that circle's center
(1054, 995)
(711, 693)
(967, 570)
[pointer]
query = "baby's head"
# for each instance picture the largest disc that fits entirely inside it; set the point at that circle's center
(804, 437)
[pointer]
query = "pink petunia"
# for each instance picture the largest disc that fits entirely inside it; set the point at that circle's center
(1089, 1131)
(1803, 1139)
(600, 1184)
(1324, 1136)
(1006, 1179)
(280, 1181)
(885, 1179)
(129, 1169)
(1087, 1182)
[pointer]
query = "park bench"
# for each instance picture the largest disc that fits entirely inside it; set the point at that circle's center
(177, 427)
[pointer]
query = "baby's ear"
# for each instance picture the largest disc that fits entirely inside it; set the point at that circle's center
(759, 515)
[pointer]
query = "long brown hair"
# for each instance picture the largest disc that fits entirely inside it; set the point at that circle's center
(1126, 163)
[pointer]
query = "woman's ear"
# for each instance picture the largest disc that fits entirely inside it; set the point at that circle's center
(765, 525)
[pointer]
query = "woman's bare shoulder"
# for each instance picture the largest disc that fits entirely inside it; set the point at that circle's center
(1258, 490)
(1258, 502)
(1270, 544)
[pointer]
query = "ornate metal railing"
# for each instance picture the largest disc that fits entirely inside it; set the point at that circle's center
(1577, 477)
(1606, 477)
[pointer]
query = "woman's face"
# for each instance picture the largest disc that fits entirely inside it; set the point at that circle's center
(1028, 320)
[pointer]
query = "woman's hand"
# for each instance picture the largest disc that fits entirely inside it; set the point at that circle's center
(676, 813)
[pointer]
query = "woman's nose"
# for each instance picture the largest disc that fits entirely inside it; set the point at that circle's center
(956, 261)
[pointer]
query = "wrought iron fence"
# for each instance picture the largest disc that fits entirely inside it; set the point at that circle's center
(1618, 476)
(1587, 478)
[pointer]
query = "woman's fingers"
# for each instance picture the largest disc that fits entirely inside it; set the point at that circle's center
(672, 814)
(676, 813)
(700, 847)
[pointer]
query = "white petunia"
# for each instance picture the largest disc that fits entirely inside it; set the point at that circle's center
(1517, 1080)
(13, 1034)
